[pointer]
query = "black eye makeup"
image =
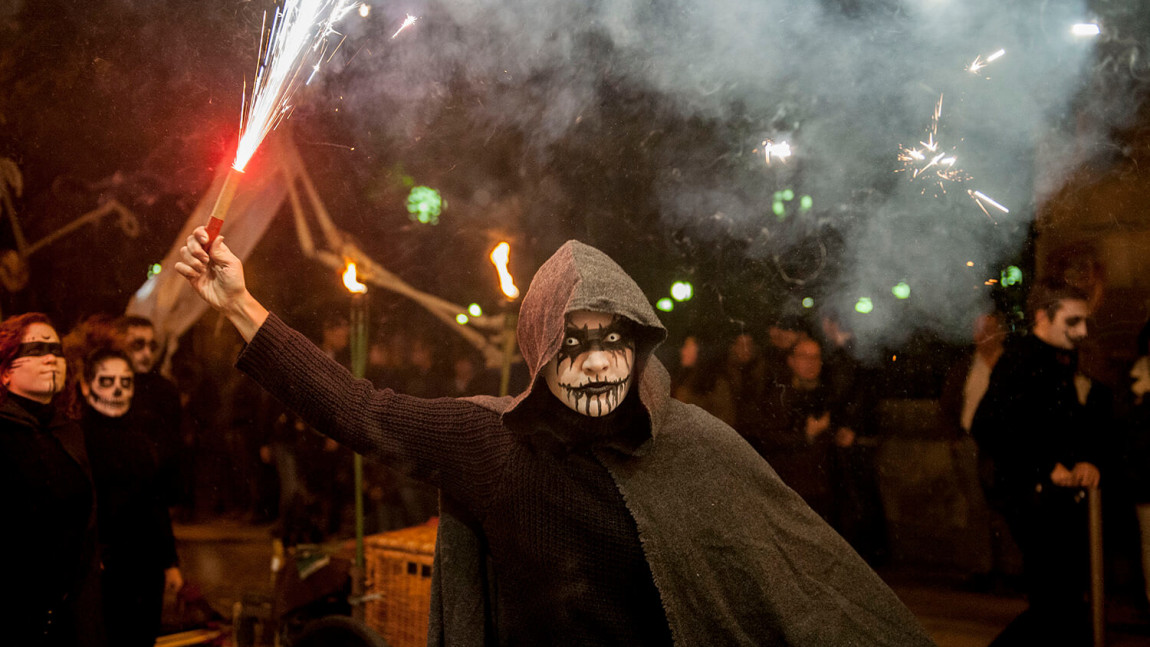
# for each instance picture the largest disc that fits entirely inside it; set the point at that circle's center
(39, 349)
(140, 344)
(615, 336)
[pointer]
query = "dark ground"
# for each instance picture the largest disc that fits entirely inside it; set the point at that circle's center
(229, 560)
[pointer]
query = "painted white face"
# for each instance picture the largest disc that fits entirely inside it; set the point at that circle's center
(1067, 329)
(110, 391)
(592, 372)
(38, 371)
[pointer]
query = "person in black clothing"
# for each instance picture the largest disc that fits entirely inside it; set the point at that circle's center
(1038, 424)
(50, 568)
(156, 404)
(591, 509)
(138, 550)
(1135, 463)
(799, 437)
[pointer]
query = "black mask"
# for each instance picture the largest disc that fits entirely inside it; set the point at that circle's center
(39, 349)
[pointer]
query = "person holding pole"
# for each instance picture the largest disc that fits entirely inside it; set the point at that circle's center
(1039, 426)
(590, 509)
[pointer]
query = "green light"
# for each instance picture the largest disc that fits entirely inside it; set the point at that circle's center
(780, 209)
(425, 205)
(808, 302)
(901, 291)
(665, 304)
(474, 310)
(461, 319)
(682, 291)
(788, 195)
(806, 202)
(1011, 276)
(864, 306)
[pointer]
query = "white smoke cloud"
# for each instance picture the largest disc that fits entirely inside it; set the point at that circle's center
(846, 82)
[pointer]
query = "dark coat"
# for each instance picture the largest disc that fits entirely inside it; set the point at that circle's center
(737, 556)
(1030, 418)
(136, 541)
(51, 562)
(727, 553)
(135, 527)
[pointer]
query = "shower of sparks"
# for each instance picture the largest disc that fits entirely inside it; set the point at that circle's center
(407, 22)
(980, 63)
(298, 41)
(780, 151)
(979, 197)
(929, 160)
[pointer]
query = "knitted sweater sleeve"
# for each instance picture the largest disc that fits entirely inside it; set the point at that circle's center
(449, 443)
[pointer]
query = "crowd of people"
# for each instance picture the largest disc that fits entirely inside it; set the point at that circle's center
(97, 449)
(807, 406)
(82, 454)
(1040, 430)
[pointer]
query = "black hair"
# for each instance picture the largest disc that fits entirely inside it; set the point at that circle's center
(1048, 296)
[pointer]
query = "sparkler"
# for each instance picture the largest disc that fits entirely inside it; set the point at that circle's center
(979, 197)
(297, 41)
(1086, 29)
(928, 157)
(979, 63)
(780, 151)
(407, 22)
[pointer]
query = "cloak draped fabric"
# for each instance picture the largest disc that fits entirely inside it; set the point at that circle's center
(738, 558)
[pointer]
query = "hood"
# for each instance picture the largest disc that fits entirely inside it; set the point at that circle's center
(580, 277)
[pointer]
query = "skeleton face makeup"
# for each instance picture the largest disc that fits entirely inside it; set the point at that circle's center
(110, 391)
(37, 372)
(592, 371)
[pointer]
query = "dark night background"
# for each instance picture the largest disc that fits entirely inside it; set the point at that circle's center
(634, 126)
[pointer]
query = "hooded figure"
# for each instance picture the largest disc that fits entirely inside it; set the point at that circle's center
(593, 513)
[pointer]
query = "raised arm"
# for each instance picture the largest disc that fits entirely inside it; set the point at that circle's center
(452, 444)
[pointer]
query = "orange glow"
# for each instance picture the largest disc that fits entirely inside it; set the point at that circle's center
(500, 256)
(351, 283)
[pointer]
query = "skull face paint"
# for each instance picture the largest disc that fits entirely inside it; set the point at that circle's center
(110, 391)
(592, 372)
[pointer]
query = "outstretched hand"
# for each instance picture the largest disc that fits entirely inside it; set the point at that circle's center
(217, 275)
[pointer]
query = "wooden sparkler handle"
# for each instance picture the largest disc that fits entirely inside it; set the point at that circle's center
(223, 203)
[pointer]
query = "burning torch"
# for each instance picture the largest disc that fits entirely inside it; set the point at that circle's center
(500, 257)
(358, 351)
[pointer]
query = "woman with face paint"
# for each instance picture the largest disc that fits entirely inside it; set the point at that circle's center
(137, 548)
(50, 560)
(590, 509)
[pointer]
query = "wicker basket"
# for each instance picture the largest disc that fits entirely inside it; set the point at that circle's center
(399, 572)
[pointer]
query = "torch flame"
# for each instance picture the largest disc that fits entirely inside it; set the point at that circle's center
(500, 256)
(351, 283)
